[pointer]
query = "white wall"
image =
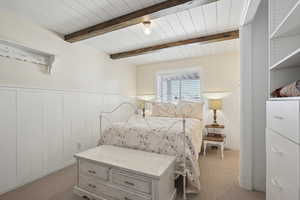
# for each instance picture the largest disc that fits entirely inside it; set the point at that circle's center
(246, 108)
(77, 67)
(254, 76)
(45, 119)
(218, 73)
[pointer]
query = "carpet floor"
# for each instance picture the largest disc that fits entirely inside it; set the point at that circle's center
(219, 181)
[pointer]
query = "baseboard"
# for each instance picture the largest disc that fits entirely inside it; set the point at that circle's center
(245, 184)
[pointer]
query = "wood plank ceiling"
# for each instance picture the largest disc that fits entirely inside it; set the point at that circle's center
(67, 16)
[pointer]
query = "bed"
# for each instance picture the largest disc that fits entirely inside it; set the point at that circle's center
(179, 136)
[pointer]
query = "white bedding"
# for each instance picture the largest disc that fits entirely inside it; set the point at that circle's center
(153, 134)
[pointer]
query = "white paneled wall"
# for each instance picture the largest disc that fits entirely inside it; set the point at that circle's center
(40, 130)
(8, 138)
(53, 131)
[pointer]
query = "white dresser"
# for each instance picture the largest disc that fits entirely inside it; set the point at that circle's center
(114, 173)
(283, 150)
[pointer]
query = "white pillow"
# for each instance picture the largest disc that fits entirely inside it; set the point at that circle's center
(190, 110)
(163, 109)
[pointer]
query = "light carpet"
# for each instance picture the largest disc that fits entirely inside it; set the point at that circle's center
(219, 181)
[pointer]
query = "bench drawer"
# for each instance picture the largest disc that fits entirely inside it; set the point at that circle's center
(84, 194)
(107, 191)
(88, 184)
(283, 117)
(282, 168)
(131, 181)
(93, 169)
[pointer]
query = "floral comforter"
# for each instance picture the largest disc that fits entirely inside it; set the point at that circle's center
(161, 135)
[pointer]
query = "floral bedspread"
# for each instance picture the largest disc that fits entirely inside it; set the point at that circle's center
(161, 135)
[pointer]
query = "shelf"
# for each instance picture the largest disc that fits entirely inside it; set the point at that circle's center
(290, 25)
(283, 98)
(284, 45)
(13, 50)
(291, 60)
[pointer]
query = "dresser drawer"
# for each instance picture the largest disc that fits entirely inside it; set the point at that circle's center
(283, 117)
(282, 168)
(131, 181)
(109, 192)
(93, 169)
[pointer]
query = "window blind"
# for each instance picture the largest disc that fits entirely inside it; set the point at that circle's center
(183, 86)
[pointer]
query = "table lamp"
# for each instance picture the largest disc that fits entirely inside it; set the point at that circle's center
(215, 101)
(141, 105)
(142, 102)
(215, 104)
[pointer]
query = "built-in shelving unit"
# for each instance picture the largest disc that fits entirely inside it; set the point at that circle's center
(284, 43)
(290, 25)
(284, 98)
(290, 60)
(282, 113)
(20, 52)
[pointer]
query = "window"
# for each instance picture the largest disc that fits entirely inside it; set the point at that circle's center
(179, 86)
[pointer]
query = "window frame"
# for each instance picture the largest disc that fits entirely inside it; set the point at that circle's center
(160, 74)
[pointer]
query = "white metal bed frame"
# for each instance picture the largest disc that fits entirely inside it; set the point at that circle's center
(178, 173)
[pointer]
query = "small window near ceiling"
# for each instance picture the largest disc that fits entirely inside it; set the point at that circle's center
(178, 86)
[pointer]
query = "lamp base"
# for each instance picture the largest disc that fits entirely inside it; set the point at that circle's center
(215, 118)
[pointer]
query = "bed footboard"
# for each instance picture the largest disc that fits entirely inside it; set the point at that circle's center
(183, 171)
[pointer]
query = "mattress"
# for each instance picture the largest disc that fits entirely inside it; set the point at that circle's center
(161, 135)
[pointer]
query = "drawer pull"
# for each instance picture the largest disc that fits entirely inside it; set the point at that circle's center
(278, 117)
(276, 184)
(276, 151)
(91, 171)
(129, 183)
(127, 198)
(92, 186)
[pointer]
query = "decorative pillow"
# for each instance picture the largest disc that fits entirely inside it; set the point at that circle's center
(190, 110)
(291, 90)
(163, 109)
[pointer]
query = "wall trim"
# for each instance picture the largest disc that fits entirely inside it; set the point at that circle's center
(15, 87)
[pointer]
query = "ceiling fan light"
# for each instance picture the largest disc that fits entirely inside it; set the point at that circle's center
(147, 31)
(147, 27)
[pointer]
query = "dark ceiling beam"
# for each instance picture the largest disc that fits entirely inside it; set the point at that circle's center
(149, 13)
(201, 40)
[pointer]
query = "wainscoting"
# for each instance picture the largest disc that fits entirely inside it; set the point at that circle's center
(40, 130)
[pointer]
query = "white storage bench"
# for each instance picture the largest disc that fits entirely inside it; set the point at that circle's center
(114, 173)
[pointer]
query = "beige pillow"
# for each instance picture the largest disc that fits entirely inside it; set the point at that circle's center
(163, 110)
(190, 110)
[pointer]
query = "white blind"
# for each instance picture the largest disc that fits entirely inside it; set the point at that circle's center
(183, 86)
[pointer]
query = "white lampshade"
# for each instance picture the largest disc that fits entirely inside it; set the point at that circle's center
(143, 99)
(147, 97)
(215, 104)
(216, 95)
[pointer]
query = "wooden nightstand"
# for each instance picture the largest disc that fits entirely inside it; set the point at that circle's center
(214, 136)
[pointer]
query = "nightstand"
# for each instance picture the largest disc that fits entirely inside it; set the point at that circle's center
(214, 136)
